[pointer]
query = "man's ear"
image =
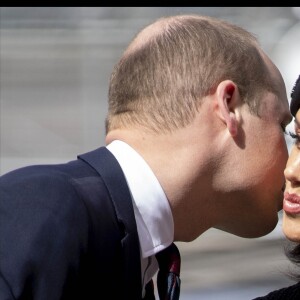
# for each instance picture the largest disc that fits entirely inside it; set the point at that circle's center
(227, 101)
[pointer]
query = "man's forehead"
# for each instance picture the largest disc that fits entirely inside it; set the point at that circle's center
(273, 105)
(282, 109)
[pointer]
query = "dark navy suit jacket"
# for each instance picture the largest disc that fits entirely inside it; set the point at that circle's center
(68, 232)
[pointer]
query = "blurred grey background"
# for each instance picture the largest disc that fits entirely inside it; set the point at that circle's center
(55, 64)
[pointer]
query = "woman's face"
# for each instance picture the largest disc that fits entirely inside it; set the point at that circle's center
(291, 202)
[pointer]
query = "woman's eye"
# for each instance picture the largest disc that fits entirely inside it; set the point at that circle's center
(294, 136)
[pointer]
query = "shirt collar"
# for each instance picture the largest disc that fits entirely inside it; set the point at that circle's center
(151, 208)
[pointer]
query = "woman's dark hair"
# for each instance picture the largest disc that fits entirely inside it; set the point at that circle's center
(295, 97)
(291, 249)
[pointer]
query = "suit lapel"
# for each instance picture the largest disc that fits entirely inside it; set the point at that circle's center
(109, 169)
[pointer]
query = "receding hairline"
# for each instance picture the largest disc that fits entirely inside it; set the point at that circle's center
(161, 26)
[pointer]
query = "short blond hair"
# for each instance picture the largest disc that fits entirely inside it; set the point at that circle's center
(173, 63)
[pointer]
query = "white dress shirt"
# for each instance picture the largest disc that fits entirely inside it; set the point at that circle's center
(152, 211)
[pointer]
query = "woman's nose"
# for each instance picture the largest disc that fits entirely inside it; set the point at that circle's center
(292, 170)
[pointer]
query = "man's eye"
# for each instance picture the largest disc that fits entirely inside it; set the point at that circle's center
(283, 127)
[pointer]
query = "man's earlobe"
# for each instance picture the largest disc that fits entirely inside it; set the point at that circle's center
(232, 125)
(227, 98)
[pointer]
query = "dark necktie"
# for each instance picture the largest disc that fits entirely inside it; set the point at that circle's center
(168, 281)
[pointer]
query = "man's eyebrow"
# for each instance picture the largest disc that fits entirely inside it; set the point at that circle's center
(289, 118)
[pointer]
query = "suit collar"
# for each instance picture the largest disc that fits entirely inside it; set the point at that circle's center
(109, 169)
